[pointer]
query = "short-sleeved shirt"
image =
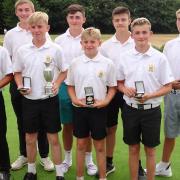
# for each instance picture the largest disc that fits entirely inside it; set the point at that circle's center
(5, 63)
(113, 48)
(171, 51)
(70, 45)
(151, 67)
(30, 61)
(17, 37)
(97, 73)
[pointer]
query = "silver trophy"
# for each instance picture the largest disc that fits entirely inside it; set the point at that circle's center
(48, 76)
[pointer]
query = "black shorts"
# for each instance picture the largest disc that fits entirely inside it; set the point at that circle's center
(41, 114)
(113, 109)
(141, 125)
(89, 121)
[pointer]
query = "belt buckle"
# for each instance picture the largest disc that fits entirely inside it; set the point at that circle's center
(140, 106)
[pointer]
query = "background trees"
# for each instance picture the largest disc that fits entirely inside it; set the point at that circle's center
(160, 12)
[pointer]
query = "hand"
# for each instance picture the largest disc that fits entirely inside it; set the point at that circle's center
(144, 98)
(100, 103)
(176, 84)
(24, 91)
(130, 92)
(55, 88)
(79, 102)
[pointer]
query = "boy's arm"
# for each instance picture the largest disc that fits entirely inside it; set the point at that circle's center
(72, 94)
(107, 100)
(18, 79)
(128, 91)
(5, 80)
(59, 80)
(161, 92)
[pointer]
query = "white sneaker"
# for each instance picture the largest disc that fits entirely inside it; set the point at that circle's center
(91, 169)
(161, 170)
(19, 163)
(47, 164)
(66, 165)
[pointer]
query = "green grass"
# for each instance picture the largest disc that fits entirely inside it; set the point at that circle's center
(120, 155)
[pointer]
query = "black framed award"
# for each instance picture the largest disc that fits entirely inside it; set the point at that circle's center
(140, 90)
(89, 95)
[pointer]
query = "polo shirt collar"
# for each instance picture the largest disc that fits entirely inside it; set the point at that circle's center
(44, 46)
(149, 52)
(95, 59)
(115, 40)
(18, 28)
(69, 35)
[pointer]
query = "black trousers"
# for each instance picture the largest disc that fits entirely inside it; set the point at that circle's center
(4, 150)
(16, 100)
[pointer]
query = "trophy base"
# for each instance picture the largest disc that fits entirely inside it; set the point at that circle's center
(48, 91)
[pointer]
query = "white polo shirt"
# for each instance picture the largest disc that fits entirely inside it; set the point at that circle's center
(70, 45)
(30, 61)
(97, 73)
(151, 67)
(5, 63)
(171, 51)
(17, 37)
(113, 48)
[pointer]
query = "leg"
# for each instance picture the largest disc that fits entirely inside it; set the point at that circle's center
(134, 160)
(101, 157)
(150, 162)
(80, 156)
(68, 136)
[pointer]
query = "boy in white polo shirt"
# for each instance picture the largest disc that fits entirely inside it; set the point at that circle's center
(6, 76)
(171, 105)
(14, 39)
(88, 77)
(141, 79)
(43, 63)
(70, 44)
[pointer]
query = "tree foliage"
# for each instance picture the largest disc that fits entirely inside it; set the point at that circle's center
(161, 13)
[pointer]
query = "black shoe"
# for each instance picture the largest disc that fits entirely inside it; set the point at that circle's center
(109, 169)
(5, 176)
(141, 174)
(30, 176)
(60, 178)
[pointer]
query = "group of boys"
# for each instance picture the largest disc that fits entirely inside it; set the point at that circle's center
(89, 83)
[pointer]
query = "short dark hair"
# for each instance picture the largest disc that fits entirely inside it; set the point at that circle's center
(73, 8)
(121, 10)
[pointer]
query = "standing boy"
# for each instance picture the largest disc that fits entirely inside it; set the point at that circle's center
(6, 76)
(14, 39)
(171, 105)
(141, 79)
(70, 43)
(40, 108)
(91, 72)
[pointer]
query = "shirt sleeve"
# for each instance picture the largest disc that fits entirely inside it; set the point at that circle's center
(70, 76)
(8, 44)
(111, 80)
(18, 61)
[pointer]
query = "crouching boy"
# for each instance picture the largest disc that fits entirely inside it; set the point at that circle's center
(39, 65)
(144, 76)
(91, 85)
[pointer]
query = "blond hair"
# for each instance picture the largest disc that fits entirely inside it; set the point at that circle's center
(37, 17)
(177, 12)
(139, 22)
(91, 32)
(19, 2)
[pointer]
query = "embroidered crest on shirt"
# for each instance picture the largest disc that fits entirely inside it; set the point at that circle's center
(151, 67)
(100, 74)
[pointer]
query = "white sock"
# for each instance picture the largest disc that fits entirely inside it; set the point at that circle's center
(59, 171)
(80, 178)
(68, 156)
(165, 164)
(88, 158)
(32, 168)
(102, 179)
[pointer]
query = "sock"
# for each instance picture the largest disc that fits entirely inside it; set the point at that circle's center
(32, 168)
(109, 160)
(80, 178)
(59, 171)
(68, 156)
(88, 158)
(102, 179)
(165, 164)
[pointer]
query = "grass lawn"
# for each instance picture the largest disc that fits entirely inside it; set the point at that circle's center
(121, 151)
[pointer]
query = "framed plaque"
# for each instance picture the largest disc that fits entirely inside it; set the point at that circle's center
(140, 90)
(89, 95)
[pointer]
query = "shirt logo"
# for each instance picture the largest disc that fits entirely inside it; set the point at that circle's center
(101, 74)
(151, 68)
(48, 59)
